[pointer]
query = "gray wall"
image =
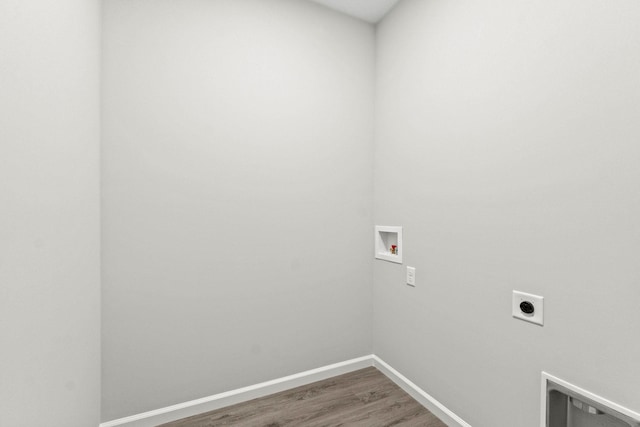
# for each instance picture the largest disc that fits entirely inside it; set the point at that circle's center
(237, 195)
(49, 213)
(507, 145)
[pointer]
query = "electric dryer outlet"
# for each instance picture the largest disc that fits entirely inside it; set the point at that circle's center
(528, 307)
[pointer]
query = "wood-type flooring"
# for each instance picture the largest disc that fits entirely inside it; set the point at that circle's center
(364, 398)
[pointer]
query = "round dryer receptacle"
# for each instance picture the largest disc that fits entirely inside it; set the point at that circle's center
(526, 307)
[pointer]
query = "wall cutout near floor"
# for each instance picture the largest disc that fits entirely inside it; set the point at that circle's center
(567, 405)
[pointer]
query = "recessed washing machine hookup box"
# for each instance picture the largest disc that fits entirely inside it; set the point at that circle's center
(388, 243)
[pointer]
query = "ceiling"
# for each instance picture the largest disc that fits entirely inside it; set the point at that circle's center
(368, 10)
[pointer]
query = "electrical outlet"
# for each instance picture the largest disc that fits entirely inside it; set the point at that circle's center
(411, 276)
(528, 307)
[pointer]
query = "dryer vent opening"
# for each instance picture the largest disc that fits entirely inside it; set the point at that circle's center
(569, 408)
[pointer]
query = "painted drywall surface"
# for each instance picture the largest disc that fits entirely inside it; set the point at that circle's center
(49, 215)
(507, 146)
(237, 195)
(368, 10)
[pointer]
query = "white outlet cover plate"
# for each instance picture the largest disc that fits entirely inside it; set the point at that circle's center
(537, 316)
(411, 276)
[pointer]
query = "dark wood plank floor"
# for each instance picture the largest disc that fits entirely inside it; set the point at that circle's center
(364, 398)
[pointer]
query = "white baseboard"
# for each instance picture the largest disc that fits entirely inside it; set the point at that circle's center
(424, 398)
(217, 401)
